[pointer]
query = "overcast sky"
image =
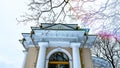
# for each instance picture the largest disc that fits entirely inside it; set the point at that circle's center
(11, 51)
(11, 55)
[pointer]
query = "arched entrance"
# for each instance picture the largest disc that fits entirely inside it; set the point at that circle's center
(58, 60)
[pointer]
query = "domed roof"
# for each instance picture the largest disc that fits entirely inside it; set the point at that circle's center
(101, 62)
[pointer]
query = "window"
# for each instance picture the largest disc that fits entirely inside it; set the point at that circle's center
(58, 60)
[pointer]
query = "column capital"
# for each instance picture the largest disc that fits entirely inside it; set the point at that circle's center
(43, 44)
(75, 44)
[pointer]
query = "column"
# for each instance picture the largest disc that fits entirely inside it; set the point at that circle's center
(41, 55)
(76, 55)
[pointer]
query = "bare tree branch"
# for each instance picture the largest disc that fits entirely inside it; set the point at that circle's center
(107, 48)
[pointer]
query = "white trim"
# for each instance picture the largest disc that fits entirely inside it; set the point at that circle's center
(59, 50)
(59, 44)
(43, 44)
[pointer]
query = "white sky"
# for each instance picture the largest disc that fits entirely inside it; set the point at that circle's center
(11, 55)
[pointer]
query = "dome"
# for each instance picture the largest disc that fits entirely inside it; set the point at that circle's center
(100, 62)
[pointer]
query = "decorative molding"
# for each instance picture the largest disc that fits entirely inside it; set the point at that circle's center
(75, 44)
(59, 50)
(43, 44)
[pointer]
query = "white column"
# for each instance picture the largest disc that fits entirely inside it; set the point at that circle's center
(41, 55)
(76, 55)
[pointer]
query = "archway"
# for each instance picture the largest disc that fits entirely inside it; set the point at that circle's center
(58, 60)
(56, 51)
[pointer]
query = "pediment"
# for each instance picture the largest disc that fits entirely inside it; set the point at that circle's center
(59, 26)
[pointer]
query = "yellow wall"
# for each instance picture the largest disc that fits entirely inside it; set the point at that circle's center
(85, 54)
(86, 58)
(31, 59)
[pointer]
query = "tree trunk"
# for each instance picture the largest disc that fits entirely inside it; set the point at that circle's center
(112, 63)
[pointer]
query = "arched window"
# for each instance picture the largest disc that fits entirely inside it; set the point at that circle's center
(58, 60)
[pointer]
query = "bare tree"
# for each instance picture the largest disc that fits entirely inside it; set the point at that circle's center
(47, 11)
(108, 48)
(88, 13)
